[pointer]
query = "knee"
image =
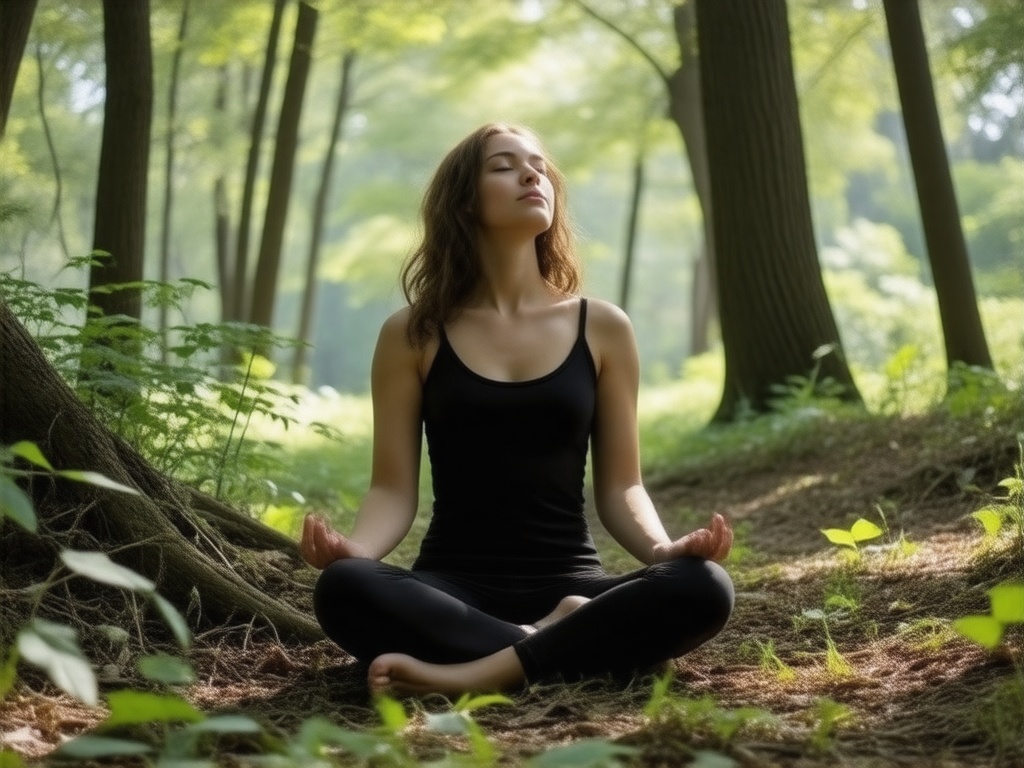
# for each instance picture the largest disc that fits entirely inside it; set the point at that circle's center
(706, 588)
(345, 580)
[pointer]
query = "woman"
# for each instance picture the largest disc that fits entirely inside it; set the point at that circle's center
(512, 376)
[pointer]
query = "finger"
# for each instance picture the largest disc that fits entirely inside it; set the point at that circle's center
(725, 541)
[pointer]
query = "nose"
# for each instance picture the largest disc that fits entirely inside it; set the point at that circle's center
(530, 175)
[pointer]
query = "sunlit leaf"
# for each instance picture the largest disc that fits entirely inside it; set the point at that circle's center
(54, 648)
(128, 707)
(469, 703)
(392, 713)
(30, 452)
(864, 530)
(169, 670)
(174, 620)
(15, 504)
(91, 747)
(99, 567)
(840, 537)
(447, 722)
(984, 630)
(257, 366)
(991, 520)
(10, 759)
(1013, 485)
(582, 754)
(1007, 603)
(95, 478)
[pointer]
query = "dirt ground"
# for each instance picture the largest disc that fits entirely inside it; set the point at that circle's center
(900, 687)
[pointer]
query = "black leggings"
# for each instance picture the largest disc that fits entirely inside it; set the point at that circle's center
(632, 622)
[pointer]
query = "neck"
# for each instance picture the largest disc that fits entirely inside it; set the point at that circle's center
(509, 273)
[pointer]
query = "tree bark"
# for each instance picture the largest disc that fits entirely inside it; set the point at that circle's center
(300, 368)
(264, 290)
(940, 216)
(686, 109)
(183, 540)
(15, 23)
(632, 220)
(120, 226)
(239, 309)
(773, 308)
(165, 223)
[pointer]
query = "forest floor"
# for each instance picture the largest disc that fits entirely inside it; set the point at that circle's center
(878, 678)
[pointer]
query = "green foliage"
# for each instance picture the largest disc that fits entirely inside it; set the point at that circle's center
(1007, 607)
(861, 530)
(828, 715)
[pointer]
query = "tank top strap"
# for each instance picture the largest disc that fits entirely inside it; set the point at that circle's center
(581, 332)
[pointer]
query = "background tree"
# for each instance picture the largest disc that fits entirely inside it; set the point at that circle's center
(774, 311)
(121, 185)
(940, 216)
(15, 22)
(264, 289)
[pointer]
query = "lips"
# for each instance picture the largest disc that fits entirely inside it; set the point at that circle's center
(533, 196)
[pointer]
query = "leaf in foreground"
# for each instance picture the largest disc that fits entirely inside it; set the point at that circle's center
(54, 647)
(99, 567)
(91, 747)
(95, 478)
(984, 630)
(1007, 603)
(170, 670)
(588, 753)
(128, 707)
(16, 505)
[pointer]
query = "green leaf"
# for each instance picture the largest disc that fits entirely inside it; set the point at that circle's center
(15, 504)
(316, 732)
(468, 704)
(1013, 485)
(705, 758)
(226, 724)
(30, 452)
(174, 620)
(392, 713)
(1007, 603)
(10, 759)
(991, 520)
(447, 722)
(91, 747)
(54, 648)
(129, 707)
(840, 537)
(169, 670)
(864, 530)
(95, 478)
(588, 753)
(984, 630)
(9, 672)
(99, 567)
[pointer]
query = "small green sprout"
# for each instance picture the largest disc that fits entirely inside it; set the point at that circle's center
(1007, 600)
(862, 530)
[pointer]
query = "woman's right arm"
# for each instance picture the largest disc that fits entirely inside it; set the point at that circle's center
(389, 506)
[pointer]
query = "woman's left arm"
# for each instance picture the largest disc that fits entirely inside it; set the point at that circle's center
(623, 504)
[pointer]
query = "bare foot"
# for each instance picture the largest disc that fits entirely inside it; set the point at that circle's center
(565, 606)
(399, 675)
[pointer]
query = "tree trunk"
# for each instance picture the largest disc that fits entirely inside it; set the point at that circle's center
(631, 223)
(241, 272)
(687, 112)
(221, 218)
(189, 544)
(774, 312)
(120, 226)
(15, 22)
(300, 368)
(165, 230)
(940, 216)
(264, 290)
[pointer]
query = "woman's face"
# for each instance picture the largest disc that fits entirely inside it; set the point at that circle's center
(515, 193)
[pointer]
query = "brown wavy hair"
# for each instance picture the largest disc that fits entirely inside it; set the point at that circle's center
(440, 274)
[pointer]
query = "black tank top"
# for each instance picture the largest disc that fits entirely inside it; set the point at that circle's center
(508, 461)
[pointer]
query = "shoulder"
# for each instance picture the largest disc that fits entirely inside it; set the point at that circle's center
(395, 346)
(609, 335)
(607, 321)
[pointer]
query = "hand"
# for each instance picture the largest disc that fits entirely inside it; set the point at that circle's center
(711, 543)
(321, 545)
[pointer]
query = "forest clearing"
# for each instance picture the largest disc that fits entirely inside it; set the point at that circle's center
(828, 660)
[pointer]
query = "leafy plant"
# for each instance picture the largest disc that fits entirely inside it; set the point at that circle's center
(1007, 607)
(1007, 513)
(827, 716)
(835, 663)
(862, 530)
(771, 664)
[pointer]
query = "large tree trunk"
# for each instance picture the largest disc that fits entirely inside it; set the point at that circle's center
(15, 22)
(773, 308)
(120, 226)
(192, 546)
(940, 216)
(264, 289)
(239, 309)
(300, 368)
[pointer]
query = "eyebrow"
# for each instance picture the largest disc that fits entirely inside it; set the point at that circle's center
(513, 155)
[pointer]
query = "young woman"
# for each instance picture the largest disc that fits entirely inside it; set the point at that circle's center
(513, 377)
